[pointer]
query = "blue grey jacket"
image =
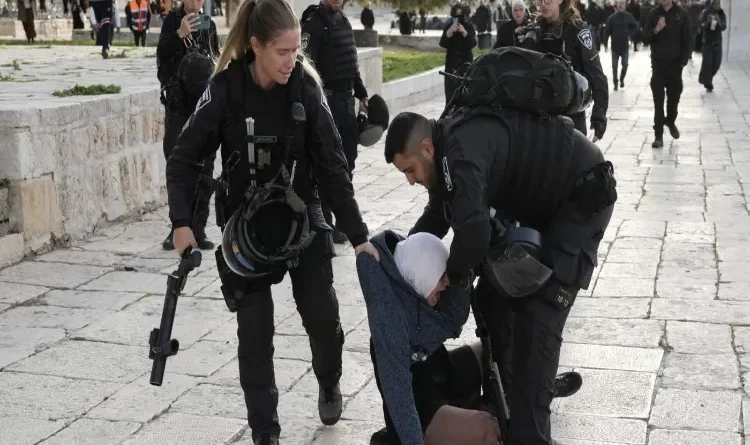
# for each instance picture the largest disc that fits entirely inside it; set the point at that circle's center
(404, 328)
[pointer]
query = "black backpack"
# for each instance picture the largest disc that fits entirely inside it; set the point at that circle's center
(514, 77)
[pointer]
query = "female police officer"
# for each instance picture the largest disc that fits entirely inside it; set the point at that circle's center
(561, 31)
(263, 67)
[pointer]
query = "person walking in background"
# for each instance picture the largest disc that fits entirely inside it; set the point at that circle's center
(367, 17)
(458, 39)
(104, 16)
(635, 10)
(138, 16)
(26, 17)
(507, 34)
(621, 26)
(422, 20)
(668, 32)
(594, 22)
(713, 22)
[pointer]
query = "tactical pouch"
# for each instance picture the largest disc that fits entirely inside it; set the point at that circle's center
(595, 189)
(230, 286)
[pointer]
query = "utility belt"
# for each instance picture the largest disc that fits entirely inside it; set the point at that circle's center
(338, 87)
(594, 190)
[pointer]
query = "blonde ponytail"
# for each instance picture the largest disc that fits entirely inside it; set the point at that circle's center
(238, 40)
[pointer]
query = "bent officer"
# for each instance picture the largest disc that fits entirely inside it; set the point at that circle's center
(328, 39)
(264, 80)
(473, 161)
(183, 80)
(562, 32)
(668, 32)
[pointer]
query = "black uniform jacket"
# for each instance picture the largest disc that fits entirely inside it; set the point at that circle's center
(171, 48)
(675, 41)
(577, 43)
(506, 34)
(472, 164)
(213, 123)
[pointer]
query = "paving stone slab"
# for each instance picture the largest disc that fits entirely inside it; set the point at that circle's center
(88, 360)
(683, 274)
(288, 373)
(673, 437)
(603, 331)
(646, 256)
(51, 317)
(367, 405)
(358, 340)
(212, 400)
(49, 397)
(617, 308)
(628, 270)
(610, 357)
(699, 338)
(139, 401)
(356, 372)
(144, 282)
(93, 432)
(188, 430)
(598, 429)
(11, 293)
(722, 312)
(696, 410)
(610, 393)
(735, 271)
(19, 343)
(741, 339)
(66, 276)
(647, 229)
(101, 300)
(713, 371)
(202, 358)
(632, 242)
(686, 290)
(76, 256)
(734, 291)
(348, 433)
(25, 431)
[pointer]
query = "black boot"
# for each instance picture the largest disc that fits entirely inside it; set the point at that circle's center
(330, 405)
(168, 243)
(266, 439)
(614, 77)
(567, 384)
(673, 131)
(622, 77)
(658, 140)
(203, 242)
(381, 437)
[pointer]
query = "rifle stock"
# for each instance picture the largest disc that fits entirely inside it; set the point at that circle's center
(161, 343)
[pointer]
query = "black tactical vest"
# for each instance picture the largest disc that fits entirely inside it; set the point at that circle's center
(538, 173)
(337, 59)
(277, 139)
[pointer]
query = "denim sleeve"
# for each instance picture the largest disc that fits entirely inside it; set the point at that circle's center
(390, 337)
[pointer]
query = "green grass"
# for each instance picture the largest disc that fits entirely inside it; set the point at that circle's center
(400, 64)
(90, 90)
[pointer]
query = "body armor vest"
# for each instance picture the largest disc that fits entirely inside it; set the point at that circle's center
(538, 173)
(338, 52)
(278, 140)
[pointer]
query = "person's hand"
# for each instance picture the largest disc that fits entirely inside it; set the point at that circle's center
(599, 128)
(433, 299)
(462, 30)
(365, 247)
(364, 105)
(183, 238)
(188, 24)
(452, 30)
(660, 24)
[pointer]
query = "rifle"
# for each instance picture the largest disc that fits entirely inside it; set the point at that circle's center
(495, 384)
(161, 343)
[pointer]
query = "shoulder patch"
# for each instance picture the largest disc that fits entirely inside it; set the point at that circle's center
(585, 37)
(305, 39)
(204, 100)
(447, 175)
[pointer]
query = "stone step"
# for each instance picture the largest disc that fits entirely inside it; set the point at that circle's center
(11, 249)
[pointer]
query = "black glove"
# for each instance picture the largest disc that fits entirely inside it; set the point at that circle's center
(599, 127)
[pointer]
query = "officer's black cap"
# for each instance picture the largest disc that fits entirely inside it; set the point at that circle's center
(377, 111)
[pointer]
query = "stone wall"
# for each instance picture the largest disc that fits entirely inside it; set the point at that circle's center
(417, 42)
(404, 93)
(737, 35)
(52, 29)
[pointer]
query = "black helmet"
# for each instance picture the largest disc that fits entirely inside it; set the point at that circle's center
(267, 233)
(373, 124)
(581, 97)
(195, 71)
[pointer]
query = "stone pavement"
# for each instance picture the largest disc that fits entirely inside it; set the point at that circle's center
(661, 337)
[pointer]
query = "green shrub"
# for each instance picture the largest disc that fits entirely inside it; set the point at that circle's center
(90, 90)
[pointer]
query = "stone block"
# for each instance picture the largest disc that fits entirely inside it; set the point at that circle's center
(58, 115)
(629, 270)
(673, 437)
(362, 406)
(27, 431)
(93, 432)
(624, 287)
(139, 401)
(34, 207)
(19, 343)
(357, 371)
(212, 400)
(94, 109)
(22, 116)
(4, 208)
(366, 38)
(666, 288)
(105, 301)
(610, 394)
(203, 358)
(605, 331)
(617, 308)
(46, 397)
(11, 293)
(12, 248)
(66, 276)
(699, 338)
(348, 433)
(696, 410)
(596, 430)
(713, 371)
(288, 373)
(577, 355)
(191, 430)
(714, 311)
(50, 317)
(15, 146)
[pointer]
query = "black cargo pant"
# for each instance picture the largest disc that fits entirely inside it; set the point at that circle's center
(312, 287)
(526, 333)
(174, 121)
(345, 118)
(665, 74)
(140, 38)
(710, 64)
(616, 56)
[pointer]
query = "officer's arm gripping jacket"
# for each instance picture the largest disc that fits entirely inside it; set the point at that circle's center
(199, 139)
(327, 153)
(590, 66)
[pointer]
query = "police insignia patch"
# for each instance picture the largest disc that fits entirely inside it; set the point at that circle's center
(586, 39)
(305, 39)
(204, 100)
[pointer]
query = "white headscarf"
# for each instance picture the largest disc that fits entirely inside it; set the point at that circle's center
(421, 259)
(519, 3)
